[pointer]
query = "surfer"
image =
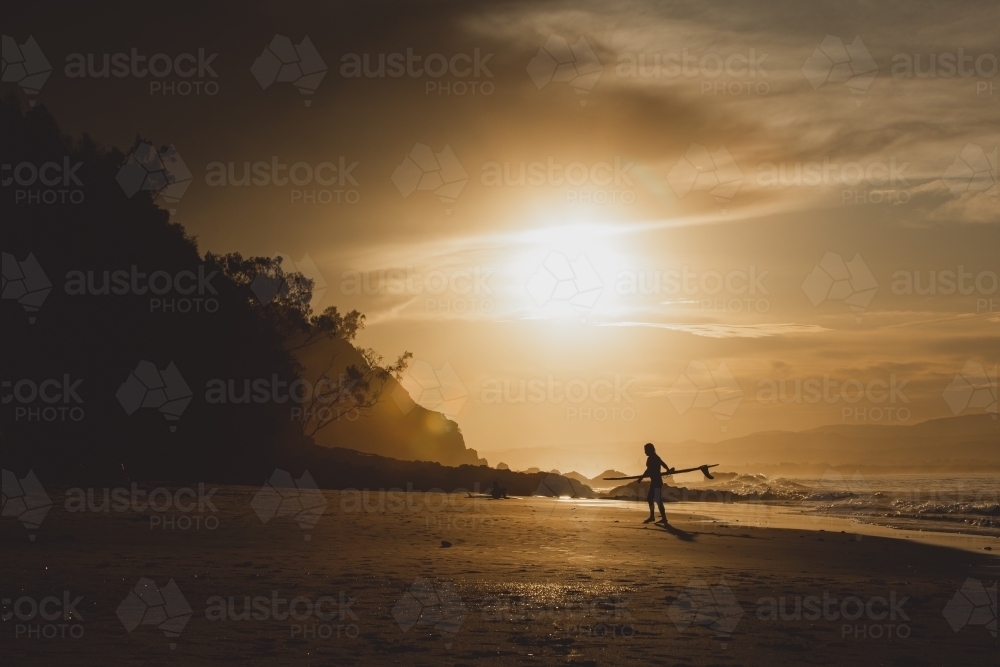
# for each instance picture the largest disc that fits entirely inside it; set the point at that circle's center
(655, 495)
(498, 491)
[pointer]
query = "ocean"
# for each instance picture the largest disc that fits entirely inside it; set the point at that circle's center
(964, 503)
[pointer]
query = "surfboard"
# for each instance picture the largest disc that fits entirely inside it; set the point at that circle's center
(703, 469)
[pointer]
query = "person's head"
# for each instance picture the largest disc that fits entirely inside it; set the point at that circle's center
(496, 482)
(649, 449)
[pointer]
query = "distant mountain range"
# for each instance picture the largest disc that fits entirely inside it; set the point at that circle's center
(598, 481)
(965, 443)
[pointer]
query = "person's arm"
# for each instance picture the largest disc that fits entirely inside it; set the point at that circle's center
(669, 470)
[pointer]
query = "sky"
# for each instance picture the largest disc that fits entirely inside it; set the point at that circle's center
(592, 223)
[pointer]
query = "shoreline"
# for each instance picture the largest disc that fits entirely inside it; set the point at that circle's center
(762, 515)
(751, 513)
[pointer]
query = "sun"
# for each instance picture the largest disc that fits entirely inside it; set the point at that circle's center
(567, 266)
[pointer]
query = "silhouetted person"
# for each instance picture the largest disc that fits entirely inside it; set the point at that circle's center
(653, 465)
(498, 491)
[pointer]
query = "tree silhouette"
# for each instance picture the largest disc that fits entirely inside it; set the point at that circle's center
(360, 386)
(258, 327)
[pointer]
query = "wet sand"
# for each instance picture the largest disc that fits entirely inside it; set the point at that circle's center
(524, 581)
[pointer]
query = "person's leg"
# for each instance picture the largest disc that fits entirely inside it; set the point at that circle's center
(659, 501)
(649, 499)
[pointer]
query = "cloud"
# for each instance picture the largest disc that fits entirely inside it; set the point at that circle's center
(728, 330)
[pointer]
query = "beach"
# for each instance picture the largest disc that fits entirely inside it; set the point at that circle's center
(378, 577)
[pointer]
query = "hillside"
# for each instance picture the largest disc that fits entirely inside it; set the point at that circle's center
(395, 427)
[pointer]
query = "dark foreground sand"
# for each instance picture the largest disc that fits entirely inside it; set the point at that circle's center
(524, 582)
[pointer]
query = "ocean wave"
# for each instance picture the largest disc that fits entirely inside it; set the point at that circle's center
(918, 509)
(968, 504)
